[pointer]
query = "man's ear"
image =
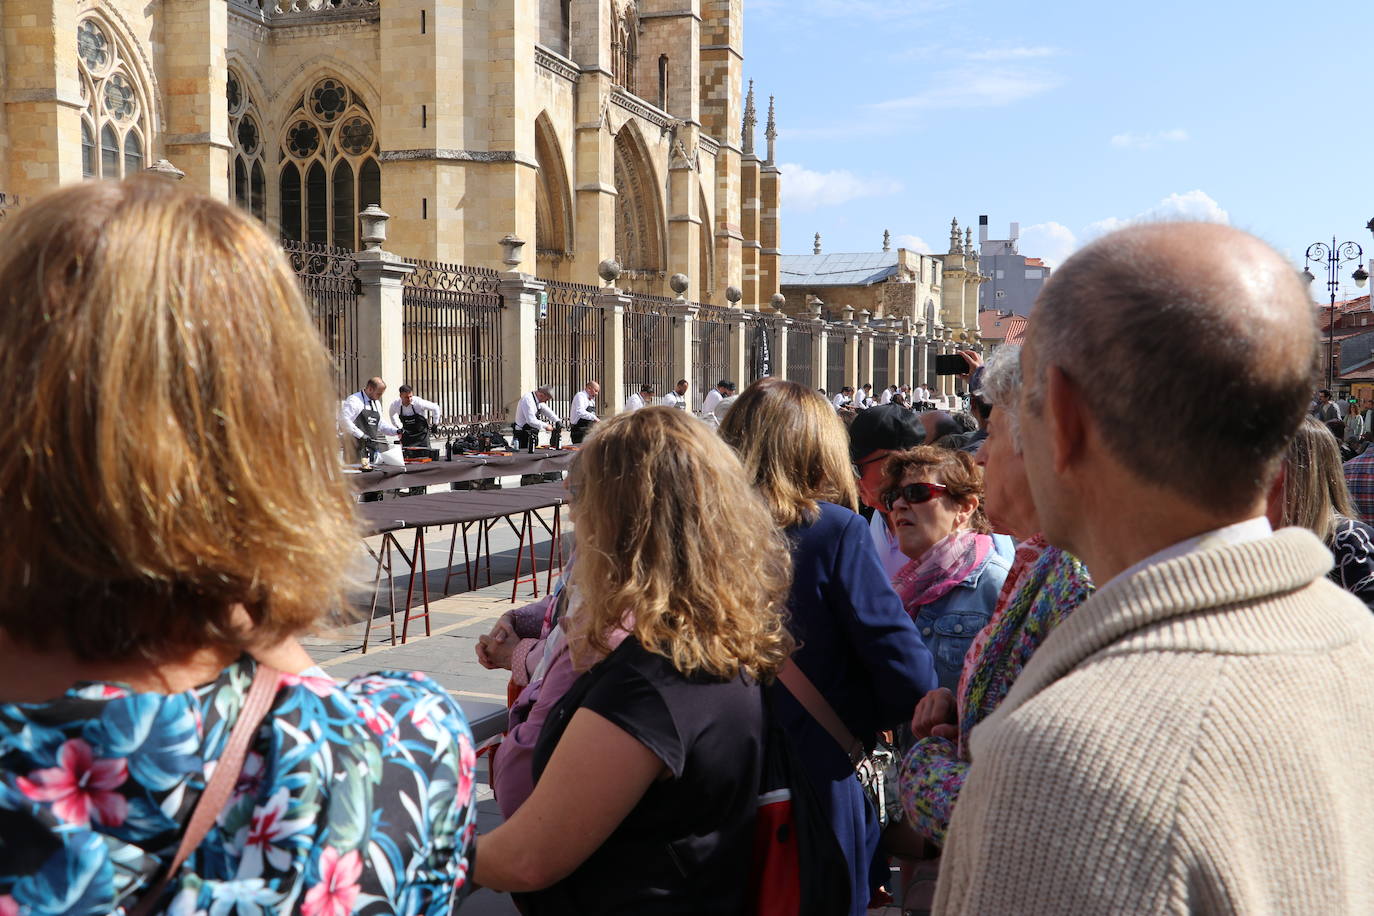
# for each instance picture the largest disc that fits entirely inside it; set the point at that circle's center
(1067, 416)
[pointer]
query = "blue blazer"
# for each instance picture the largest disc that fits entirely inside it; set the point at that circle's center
(862, 651)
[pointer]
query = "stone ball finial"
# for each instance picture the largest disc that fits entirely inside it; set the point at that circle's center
(733, 294)
(609, 270)
(678, 283)
(777, 300)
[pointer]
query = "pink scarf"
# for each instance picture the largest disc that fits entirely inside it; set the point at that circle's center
(940, 568)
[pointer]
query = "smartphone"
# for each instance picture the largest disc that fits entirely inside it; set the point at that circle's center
(950, 364)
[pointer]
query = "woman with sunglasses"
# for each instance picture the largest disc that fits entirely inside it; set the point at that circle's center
(954, 573)
(855, 644)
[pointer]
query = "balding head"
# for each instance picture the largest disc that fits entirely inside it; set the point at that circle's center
(1194, 346)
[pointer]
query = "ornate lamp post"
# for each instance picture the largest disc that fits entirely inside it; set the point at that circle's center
(1334, 256)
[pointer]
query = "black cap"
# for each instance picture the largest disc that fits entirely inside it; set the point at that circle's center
(889, 426)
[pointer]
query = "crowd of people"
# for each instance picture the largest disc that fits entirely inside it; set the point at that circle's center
(1077, 651)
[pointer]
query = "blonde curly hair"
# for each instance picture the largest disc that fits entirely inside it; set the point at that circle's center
(674, 545)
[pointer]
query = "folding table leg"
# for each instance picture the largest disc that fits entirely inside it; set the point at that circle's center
(519, 555)
(417, 563)
(384, 559)
(555, 548)
(453, 542)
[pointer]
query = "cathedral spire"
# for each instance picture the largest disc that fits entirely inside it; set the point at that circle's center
(968, 242)
(954, 246)
(771, 131)
(750, 119)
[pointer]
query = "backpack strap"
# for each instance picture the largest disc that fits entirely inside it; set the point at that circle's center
(221, 785)
(805, 693)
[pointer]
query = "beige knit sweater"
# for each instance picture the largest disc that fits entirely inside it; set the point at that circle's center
(1197, 738)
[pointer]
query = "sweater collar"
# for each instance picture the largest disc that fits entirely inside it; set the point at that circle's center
(1182, 604)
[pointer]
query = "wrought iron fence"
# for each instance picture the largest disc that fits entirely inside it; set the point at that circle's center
(648, 344)
(881, 364)
(834, 362)
(451, 342)
(710, 348)
(570, 341)
(801, 342)
(328, 278)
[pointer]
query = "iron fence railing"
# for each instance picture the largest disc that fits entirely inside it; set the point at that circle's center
(710, 349)
(881, 365)
(801, 342)
(834, 362)
(648, 344)
(451, 342)
(329, 280)
(570, 341)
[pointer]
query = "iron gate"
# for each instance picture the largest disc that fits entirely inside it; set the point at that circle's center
(834, 362)
(569, 341)
(710, 349)
(451, 341)
(801, 342)
(648, 344)
(328, 279)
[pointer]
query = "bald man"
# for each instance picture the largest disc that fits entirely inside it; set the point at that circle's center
(1198, 735)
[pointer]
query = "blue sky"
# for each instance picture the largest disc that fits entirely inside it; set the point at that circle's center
(1067, 117)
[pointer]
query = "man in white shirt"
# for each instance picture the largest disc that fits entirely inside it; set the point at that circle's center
(416, 418)
(532, 417)
(643, 399)
(865, 398)
(360, 417)
(584, 411)
(886, 397)
(713, 397)
(677, 397)
(843, 398)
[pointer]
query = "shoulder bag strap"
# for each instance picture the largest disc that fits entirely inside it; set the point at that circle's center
(221, 785)
(805, 693)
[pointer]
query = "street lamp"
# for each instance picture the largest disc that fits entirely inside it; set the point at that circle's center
(1334, 256)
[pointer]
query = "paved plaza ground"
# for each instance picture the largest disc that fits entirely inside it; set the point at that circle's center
(448, 654)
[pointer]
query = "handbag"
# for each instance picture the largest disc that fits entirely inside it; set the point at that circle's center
(221, 785)
(876, 769)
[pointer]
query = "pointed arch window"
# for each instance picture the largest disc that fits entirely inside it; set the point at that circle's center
(329, 168)
(114, 119)
(246, 174)
(625, 46)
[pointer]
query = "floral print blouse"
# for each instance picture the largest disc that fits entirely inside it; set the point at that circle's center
(355, 797)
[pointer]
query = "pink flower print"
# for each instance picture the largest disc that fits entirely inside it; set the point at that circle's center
(338, 886)
(467, 767)
(80, 787)
(321, 685)
(262, 838)
(427, 716)
(8, 906)
(378, 720)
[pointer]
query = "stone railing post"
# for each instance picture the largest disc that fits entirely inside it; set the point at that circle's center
(779, 323)
(820, 352)
(613, 304)
(894, 358)
(851, 356)
(684, 317)
(519, 323)
(864, 374)
(737, 361)
(381, 284)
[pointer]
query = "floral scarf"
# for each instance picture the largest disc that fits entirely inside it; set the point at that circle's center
(940, 568)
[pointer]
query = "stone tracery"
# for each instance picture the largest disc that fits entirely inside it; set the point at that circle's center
(115, 123)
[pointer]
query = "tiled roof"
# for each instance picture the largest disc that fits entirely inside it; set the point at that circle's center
(1016, 329)
(840, 269)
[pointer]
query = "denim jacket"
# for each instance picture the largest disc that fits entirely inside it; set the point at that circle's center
(949, 623)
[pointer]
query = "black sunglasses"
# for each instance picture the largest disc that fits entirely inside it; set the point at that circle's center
(914, 494)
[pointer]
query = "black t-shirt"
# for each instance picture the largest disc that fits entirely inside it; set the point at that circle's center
(685, 847)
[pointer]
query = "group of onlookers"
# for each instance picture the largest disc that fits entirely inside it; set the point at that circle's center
(1112, 680)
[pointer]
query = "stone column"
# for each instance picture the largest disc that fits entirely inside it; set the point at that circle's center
(894, 358)
(42, 96)
(519, 320)
(738, 366)
(819, 349)
(863, 372)
(684, 314)
(381, 281)
(779, 323)
(613, 304)
(851, 356)
(193, 86)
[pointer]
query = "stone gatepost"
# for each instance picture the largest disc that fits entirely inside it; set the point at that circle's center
(779, 322)
(613, 304)
(519, 323)
(381, 283)
(894, 358)
(737, 365)
(684, 314)
(851, 348)
(864, 371)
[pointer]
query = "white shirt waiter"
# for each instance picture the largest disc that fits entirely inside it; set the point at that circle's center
(886, 397)
(633, 402)
(708, 404)
(840, 400)
(530, 412)
(355, 404)
(427, 409)
(584, 407)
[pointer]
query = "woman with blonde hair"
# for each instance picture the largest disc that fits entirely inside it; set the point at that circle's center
(1311, 493)
(157, 572)
(646, 771)
(856, 645)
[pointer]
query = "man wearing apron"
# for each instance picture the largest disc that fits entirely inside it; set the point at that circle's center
(361, 417)
(422, 419)
(584, 411)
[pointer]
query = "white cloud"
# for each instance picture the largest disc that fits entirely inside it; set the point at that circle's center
(1190, 206)
(1018, 53)
(1051, 242)
(804, 189)
(1149, 139)
(911, 243)
(975, 87)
